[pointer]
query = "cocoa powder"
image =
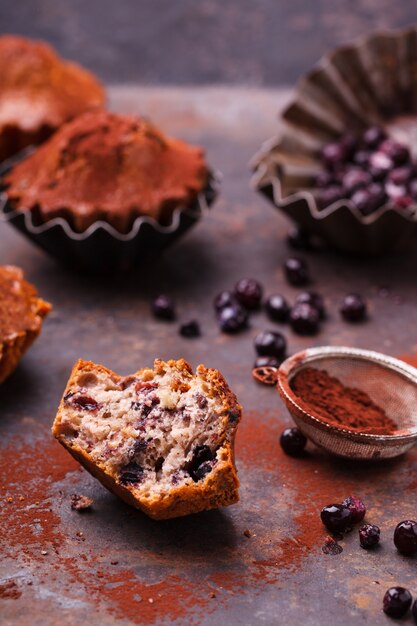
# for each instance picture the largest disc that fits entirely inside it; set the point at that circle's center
(345, 407)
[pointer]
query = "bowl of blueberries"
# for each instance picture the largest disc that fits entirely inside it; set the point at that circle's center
(344, 164)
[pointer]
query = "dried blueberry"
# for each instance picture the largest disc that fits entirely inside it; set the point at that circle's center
(397, 152)
(373, 136)
(190, 329)
(300, 239)
(369, 535)
(329, 195)
(336, 518)
(397, 601)
(357, 508)
(353, 308)
(405, 537)
(224, 299)
(304, 319)
(334, 154)
(292, 441)
(248, 293)
(277, 308)
(267, 361)
(324, 179)
(233, 319)
(314, 299)
(270, 343)
(130, 474)
(296, 271)
(163, 307)
(355, 179)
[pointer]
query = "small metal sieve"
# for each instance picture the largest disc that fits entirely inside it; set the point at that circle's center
(390, 383)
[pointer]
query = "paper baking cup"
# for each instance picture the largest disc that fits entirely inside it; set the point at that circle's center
(371, 82)
(101, 247)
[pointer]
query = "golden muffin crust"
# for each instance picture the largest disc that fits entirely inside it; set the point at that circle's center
(39, 91)
(103, 166)
(21, 315)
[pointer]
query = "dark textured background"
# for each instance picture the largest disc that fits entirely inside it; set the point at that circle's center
(263, 42)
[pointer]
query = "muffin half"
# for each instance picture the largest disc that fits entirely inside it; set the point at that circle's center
(161, 439)
(21, 316)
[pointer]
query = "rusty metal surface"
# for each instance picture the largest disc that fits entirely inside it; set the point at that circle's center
(113, 565)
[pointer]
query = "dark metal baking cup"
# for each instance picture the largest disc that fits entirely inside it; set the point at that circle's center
(101, 247)
(369, 82)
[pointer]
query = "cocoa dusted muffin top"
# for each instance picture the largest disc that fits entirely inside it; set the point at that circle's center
(39, 91)
(21, 310)
(103, 166)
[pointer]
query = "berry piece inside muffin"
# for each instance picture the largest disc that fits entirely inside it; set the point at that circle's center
(161, 439)
(108, 167)
(21, 315)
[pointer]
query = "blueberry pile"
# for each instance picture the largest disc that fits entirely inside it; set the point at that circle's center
(372, 170)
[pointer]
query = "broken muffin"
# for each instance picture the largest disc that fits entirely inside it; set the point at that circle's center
(161, 439)
(21, 315)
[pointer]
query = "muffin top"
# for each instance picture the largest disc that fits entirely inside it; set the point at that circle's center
(39, 91)
(21, 310)
(103, 166)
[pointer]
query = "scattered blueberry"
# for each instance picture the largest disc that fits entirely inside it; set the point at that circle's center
(337, 518)
(163, 308)
(405, 537)
(233, 319)
(84, 402)
(304, 319)
(292, 441)
(361, 158)
(369, 535)
(300, 239)
(353, 308)
(277, 308)
(296, 271)
(413, 189)
(270, 343)
(357, 508)
(248, 292)
(224, 299)
(397, 601)
(314, 299)
(190, 329)
(267, 361)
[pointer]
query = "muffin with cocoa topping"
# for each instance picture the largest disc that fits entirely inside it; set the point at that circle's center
(21, 316)
(108, 167)
(107, 191)
(39, 91)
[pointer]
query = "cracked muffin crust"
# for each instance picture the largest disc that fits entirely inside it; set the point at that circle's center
(103, 166)
(161, 439)
(21, 315)
(39, 91)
